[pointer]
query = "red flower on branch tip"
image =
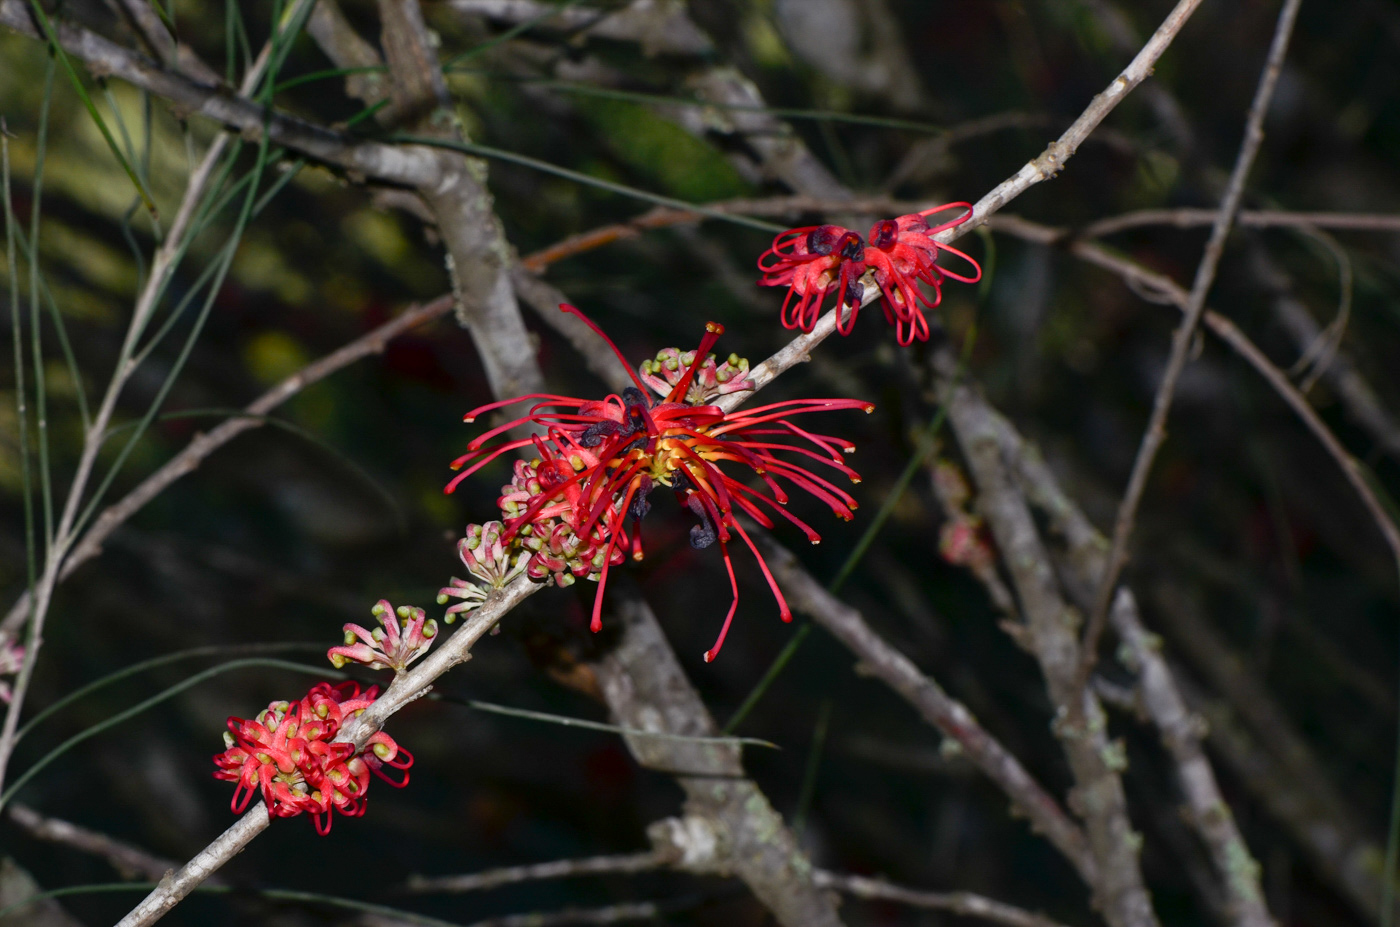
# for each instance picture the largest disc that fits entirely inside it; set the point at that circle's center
(290, 755)
(815, 261)
(600, 459)
(403, 635)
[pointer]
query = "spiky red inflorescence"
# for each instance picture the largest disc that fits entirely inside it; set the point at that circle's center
(289, 753)
(817, 260)
(812, 262)
(600, 459)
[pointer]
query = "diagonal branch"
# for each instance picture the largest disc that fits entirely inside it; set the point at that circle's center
(1181, 343)
(645, 687)
(880, 659)
(194, 453)
(1096, 762)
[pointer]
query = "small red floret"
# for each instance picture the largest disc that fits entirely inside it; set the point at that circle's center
(290, 755)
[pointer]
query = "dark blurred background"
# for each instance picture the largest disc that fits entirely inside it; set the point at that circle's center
(1248, 529)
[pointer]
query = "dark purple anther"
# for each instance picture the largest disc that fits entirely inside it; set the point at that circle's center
(852, 248)
(824, 239)
(885, 233)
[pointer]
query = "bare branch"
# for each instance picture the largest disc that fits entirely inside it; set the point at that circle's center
(1340, 857)
(1249, 218)
(624, 863)
(964, 903)
(1181, 731)
(661, 28)
(1156, 431)
(397, 164)
(194, 454)
(129, 860)
(1050, 622)
(951, 717)
(736, 829)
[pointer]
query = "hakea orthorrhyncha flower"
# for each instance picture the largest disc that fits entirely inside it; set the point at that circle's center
(487, 558)
(404, 634)
(600, 459)
(289, 754)
(815, 261)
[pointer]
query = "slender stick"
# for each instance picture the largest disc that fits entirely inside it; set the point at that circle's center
(194, 453)
(1181, 344)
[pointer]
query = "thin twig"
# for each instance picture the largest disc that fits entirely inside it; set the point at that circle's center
(127, 859)
(1156, 431)
(194, 453)
(878, 658)
(622, 863)
(963, 903)
(1094, 760)
(1157, 692)
(166, 256)
(1249, 218)
(966, 904)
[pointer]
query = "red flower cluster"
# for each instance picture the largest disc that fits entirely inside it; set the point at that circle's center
(290, 754)
(815, 261)
(600, 459)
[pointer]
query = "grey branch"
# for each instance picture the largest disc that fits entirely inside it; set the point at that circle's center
(1156, 432)
(620, 864)
(673, 855)
(953, 719)
(740, 832)
(1336, 850)
(1050, 622)
(1086, 550)
(1147, 281)
(966, 904)
(660, 27)
(131, 861)
(410, 166)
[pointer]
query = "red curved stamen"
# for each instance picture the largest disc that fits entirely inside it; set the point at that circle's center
(573, 310)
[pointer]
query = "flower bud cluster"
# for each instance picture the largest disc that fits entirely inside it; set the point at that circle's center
(710, 381)
(289, 754)
(403, 635)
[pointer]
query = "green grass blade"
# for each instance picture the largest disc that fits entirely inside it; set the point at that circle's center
(486, 151)
(567, 721)
(328, 74)
(338, 455)
(509, 34)
(36, 347)
(223, 264)
(809, 774)
(91, 107)
(916, 462)
(60, 330)
(17, 333)
(154, 700)
(135, 669)
(779, 663)
(662, 99)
